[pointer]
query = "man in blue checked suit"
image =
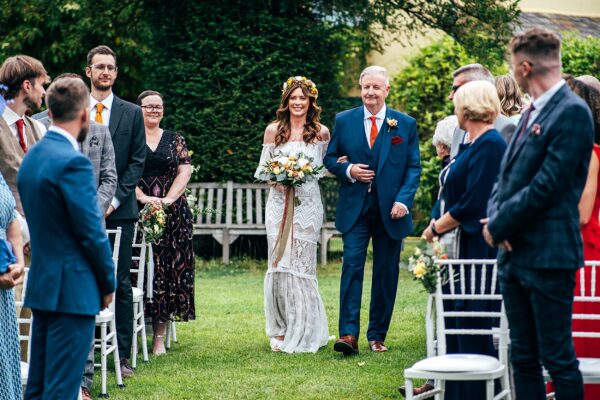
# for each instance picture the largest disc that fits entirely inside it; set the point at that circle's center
(374, 152)
(534, 219)
(72, 274)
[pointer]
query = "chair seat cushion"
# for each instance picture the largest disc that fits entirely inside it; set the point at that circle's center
(458, 363)
(589, 366)
(138, 294)
(24, 372)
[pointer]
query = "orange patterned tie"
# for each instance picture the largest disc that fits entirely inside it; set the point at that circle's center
(374, 131)
(99, 108)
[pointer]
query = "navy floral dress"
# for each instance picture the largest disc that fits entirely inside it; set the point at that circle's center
(10, 356)
(173, 254)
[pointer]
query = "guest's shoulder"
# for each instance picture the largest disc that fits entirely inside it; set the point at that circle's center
(346, 113)
(127, 105)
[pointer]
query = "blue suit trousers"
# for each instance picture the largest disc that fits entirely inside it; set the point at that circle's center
(386, 259)
(59, 346)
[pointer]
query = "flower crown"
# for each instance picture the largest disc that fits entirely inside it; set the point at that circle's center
(302, 80)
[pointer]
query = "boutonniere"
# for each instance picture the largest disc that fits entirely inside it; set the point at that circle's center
(392, 123)
(94, 141)
(536, 129)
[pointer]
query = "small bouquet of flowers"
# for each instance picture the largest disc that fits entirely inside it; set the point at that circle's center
(290, 170)
(153, 219)
(423, 264)
(193, 205)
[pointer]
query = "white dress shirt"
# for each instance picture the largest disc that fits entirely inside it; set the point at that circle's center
(541, 101)
(11, 118)
(66, 134)
(107, 103)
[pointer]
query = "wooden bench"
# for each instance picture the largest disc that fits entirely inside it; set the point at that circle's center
(239, 209)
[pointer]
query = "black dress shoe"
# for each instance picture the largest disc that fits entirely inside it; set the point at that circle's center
(419, 390)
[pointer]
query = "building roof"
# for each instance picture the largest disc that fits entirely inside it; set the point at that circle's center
(587, 26)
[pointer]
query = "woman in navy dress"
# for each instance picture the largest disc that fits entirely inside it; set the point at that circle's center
(465, 194)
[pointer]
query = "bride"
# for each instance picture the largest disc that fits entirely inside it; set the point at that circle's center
(295, 316)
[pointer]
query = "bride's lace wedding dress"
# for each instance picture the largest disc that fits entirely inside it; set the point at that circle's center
(293, 305)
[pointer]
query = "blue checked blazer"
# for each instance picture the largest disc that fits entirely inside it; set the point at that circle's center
(534, 204)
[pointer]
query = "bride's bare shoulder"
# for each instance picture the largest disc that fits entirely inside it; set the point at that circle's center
(270, 133)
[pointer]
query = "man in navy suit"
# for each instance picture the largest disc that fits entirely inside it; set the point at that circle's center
(72, 274)
(379, 171)
(534, 219)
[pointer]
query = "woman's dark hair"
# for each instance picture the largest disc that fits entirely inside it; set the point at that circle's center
(312, 126)
(592, 97)
(145, 94)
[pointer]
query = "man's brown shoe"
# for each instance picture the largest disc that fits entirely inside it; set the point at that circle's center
(419, 390)
(347, 344)
(377, 346)
(126, 370)
(85, 394)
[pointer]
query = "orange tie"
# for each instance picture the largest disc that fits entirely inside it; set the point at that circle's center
(374, 131)
(99, 108)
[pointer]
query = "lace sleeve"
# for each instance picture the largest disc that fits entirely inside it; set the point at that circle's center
(322, 151)
(265, 155)
(182, 151)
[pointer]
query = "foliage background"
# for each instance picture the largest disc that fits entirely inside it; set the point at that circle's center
(220, 64)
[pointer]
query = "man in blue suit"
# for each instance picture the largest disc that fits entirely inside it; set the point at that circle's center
(374, 152)
(534, 219)
(72, 274)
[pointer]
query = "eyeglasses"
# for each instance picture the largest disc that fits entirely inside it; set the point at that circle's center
(149, 108)
(102, 67)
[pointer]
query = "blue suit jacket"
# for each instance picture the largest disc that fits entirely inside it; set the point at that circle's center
(397, 175)
(534, 205)
(71, 258)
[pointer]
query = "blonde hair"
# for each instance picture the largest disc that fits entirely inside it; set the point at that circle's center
(477, 101)
(509, 94)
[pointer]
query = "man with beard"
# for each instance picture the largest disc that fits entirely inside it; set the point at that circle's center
(126, 125)
(72, 274)
(24, 78)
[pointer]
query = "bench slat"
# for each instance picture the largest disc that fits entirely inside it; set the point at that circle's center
(249, 219)
(259, 207)
(209, 204)
(201, 194)
(238, 206)
(219, 214)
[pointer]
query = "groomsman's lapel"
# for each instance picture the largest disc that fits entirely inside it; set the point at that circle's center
(546, 111)
(115, 116)
(386, 140)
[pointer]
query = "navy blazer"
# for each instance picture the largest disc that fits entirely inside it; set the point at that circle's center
(71, 258)
(398, 172)
(534, 205)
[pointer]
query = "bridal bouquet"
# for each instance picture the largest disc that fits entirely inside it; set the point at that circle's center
(153, 219)
(290, 170)
(423, 264)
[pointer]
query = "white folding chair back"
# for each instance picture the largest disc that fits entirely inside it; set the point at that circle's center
(105, 320)
(589, 285)
(28, 323)
(470, 280)
(138, 268)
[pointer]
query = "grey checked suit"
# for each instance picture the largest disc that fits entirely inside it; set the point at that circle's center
(98, 147)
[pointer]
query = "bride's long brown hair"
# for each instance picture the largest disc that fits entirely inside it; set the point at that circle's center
(312, 127)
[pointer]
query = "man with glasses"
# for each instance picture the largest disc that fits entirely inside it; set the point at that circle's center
(126, 125)
(469, 73)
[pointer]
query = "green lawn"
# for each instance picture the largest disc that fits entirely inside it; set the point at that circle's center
(224, 354)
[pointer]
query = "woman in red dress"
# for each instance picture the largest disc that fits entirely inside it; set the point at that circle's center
(589, 214)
